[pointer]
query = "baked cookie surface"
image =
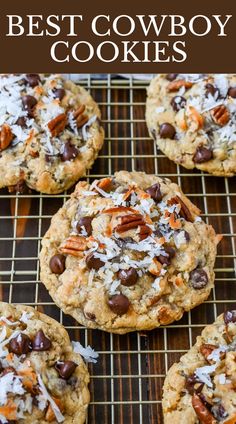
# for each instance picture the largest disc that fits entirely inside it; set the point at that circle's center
(128, 253)
(193, 120)
(201, 387)
(42, 379)
(50, 132)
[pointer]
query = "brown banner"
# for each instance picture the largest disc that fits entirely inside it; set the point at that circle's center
(123, 37)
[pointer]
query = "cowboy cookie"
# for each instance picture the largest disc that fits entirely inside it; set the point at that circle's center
(128, 253)
(193, 120)
(50, 132)
(201, 387)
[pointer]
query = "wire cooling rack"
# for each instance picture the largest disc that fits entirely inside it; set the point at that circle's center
(126, 382)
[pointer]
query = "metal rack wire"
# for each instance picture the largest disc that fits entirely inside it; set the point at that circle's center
(127, 380)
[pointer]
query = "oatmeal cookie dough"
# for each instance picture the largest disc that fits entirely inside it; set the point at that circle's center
(193, 120)
(42, 379)
(201, 387)
(50, 132)
(128, 253)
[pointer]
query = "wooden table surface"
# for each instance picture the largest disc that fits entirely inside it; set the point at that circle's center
(127, 380)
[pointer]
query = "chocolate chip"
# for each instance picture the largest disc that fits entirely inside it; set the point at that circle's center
(57, 264)
(21, 121)
(187, 236)
(211, 89)
(90, 315)
(202, 154)
(59, 93)
(155, 192)
(86, 222)
(167, 131)
(41, 342)
(166, 259)
(119, 304)
(178, 102)
(65, 369)
(198, 278)
(229, 316)
(192, 384)
(93, 263)
(29, 102)
(171, 77)
(70, 152)
(33, 79)
(232, 92)
(123, 241)
(20, 344)
(158, 233)
(128, 277)
(219, 412)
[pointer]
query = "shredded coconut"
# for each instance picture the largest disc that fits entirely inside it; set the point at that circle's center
(88, 353)
(60, 418)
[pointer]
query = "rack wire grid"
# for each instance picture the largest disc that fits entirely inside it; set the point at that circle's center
(126, 383)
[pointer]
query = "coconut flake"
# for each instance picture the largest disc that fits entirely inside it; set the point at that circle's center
(85, 127)
(10, 383)
(88, 353)
(26, 316)
(203, 374)
(60, 418)
(8, 322)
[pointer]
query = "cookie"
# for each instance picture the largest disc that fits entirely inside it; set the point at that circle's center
(128, 253)
(201, 387)
(50, 132)
(193, 120)
(42, 379)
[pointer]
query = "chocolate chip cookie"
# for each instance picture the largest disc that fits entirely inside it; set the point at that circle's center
(201, 387)
(42, 379)
(50, 132)
(193, 120)
(128, 253)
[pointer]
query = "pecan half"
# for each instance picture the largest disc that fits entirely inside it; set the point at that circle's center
(202, 412)
(177, 84)
(129, 222)
(206, 349)
(220, 115)
(144, 232)
(184, 211)
(80, 117)
(74, 246)
(6, 136)
(105, 184)
(58, 124)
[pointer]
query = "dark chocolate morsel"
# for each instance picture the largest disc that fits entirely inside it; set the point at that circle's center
(166, 259)
(198, 278)
(93, 263)
(70, 152)
(202, 155)
(59, 93)
(128, 277)
(167, 131)
(171, 77)
(33, 79)
(86, 222)
(155, 192)
(229, 316)
(29, 103)
(178, 102)
(232, 92)
(57, 264)
(211, 89)
(21, 121)
(20, 344)
(65, 369)
(119, 304)
(40, 342)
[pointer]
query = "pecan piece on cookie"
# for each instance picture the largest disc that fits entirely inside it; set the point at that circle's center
(202, 412)
(6, 136)
(80, 117)
(58, 124)
(177, 84)
(184, 211)
(74, 245)
(220, 115)
(129, 222)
